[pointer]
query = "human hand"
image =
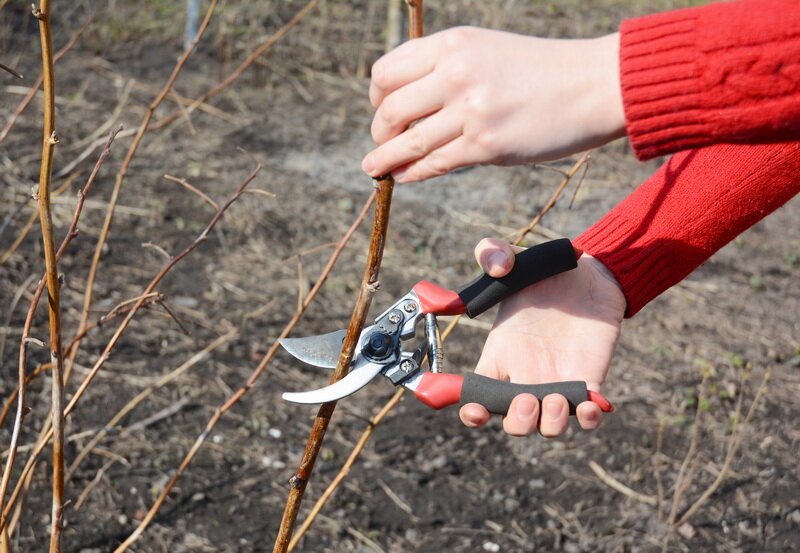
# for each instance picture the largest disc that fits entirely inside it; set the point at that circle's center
(562, 328)
(469, 96)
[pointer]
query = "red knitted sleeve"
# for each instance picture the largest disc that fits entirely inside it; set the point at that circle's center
(727, 72)
(692, 206)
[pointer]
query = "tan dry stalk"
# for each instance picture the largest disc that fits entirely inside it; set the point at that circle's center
(144, 394)
(49, 140)
(389, 405)
(239, 394)
(35, 88)
(47, 434)
(120, 179)
(369, 285)
(345, 470)
(72, 232)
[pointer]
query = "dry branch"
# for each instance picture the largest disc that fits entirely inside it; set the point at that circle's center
(49, 140)
(734, 441)
(241, 392)
(369, 284)
(72, 232)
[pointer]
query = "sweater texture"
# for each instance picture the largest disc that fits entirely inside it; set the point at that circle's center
(726, 72)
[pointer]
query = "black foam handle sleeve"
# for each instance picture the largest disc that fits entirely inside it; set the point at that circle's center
(496, 395)
(530, 266)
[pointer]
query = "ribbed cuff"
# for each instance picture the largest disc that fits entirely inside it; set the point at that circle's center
(642, 267)
(660, 83)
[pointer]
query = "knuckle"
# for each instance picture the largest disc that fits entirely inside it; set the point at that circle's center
(389, 112)
(477, 104)
(437, 164)
(416, 141)
(379, 74)
(457, 73)
(455, 38)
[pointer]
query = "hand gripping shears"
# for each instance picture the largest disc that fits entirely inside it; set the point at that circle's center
(380, 346)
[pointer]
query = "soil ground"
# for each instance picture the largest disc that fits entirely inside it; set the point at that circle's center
(424, 483)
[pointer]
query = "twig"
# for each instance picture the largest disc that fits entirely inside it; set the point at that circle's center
(615, 484)
(194, 189)
(248, 61)
(90, 486)
(200, 102)
(151, 300)
(345, 470)
(681, 481)
(144, 394)
(553, 199)
(369, 285)
(35, 88)
(241, 392)
(49, 140)
(657, 468)
(12, 71)
(26, 228)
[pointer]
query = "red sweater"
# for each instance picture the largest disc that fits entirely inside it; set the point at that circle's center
(726, 73)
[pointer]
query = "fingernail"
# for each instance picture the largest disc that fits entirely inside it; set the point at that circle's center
(525, 407)
(553, 409)
(368, 164)
(496, 261)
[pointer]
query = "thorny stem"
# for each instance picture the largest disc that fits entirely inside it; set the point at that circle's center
(239, 394)
(22, 408)
(389, 405)
(49, 140)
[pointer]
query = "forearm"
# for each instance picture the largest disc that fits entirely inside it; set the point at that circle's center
(696, 203)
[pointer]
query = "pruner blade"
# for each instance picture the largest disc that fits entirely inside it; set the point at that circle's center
(351, 383)
(320, 351)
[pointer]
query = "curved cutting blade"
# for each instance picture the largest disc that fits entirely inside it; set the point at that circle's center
(321, 351)
(354, 381)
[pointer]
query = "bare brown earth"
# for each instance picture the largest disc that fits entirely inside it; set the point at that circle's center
(425, 483)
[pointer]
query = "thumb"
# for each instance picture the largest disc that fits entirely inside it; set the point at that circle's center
(496, 257)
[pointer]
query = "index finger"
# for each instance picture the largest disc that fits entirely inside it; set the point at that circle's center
(408, 62)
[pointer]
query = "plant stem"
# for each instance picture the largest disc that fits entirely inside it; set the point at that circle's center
(49, 140)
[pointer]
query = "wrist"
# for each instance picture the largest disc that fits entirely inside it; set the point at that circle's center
(601, 269)
(606, 107)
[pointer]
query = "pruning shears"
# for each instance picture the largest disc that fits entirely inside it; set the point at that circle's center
(380, 346)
